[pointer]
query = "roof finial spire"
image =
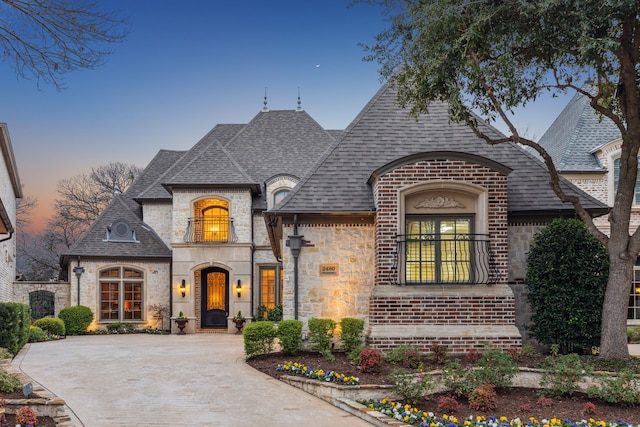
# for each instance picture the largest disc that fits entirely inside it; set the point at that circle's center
(299, 101)
(265, 100)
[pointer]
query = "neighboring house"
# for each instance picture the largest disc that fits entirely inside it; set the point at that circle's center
(585, 148)
(10, 191)
(416, 226)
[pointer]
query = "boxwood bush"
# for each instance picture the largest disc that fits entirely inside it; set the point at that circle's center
(76, 319)
(321, 334)
(290, 336)
(258, 338)
(52, 325)
(38, 335)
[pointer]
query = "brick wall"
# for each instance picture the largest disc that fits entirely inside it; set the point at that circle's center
(459, 317)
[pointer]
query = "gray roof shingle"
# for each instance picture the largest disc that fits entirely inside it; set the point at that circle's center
(383, 132)
(92, 243)
(574, 134)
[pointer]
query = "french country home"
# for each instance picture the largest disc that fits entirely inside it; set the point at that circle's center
(413, 224)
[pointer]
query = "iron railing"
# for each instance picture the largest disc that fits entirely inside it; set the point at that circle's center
(426, 259)
(208, 230)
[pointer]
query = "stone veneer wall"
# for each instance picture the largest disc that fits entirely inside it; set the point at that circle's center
(155, 291)
(61, 291)
(335, 296)
(7, 247)
(159, 217)
(520, 240)
(458, 317)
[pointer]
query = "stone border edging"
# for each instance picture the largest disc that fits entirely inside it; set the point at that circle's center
(48, 405)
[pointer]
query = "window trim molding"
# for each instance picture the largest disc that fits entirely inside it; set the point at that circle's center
(480, 210)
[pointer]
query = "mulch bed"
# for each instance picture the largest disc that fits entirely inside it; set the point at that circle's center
(512, 403)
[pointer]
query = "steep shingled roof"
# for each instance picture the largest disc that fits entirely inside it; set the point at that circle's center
(279, 142)
(574, 134)
(92, 243)
(383, 133)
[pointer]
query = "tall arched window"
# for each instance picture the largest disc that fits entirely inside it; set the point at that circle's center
(121, 294)
(210, 223)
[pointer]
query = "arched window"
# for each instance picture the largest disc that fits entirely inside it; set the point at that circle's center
(121, 294)
(210, 223)
(279, 195)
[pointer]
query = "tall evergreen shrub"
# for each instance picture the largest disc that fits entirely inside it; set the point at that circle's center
(567, 271)
(15, 321)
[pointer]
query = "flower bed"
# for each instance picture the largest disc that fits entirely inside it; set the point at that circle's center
(411, 415)
(318, 374)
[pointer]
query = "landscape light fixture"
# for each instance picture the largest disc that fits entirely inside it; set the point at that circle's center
(239, 288)
(183, 288)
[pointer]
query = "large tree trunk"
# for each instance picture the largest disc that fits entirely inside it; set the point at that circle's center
(613, 342)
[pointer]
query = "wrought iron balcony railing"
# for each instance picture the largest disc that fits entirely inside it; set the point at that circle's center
(205, 230)
(441, 259)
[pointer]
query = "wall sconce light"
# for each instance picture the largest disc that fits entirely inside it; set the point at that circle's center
(183, 288)
(239, 288)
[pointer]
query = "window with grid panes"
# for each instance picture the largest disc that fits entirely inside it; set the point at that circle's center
(437, 249)
(121, 294)
(271, 283)
(633, 312)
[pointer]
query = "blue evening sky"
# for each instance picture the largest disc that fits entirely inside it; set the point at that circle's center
(187, 66)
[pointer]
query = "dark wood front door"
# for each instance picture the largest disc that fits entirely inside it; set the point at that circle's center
(215, 297)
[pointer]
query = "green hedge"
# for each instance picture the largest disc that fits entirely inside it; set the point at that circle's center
(290, 336)
(76, 319)
(258, 338)
(321, 334)
(15, 320)
(51, 325)
(38, 335)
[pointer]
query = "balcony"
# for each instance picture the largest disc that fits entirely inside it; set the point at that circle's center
(210, 230)
(439, 259)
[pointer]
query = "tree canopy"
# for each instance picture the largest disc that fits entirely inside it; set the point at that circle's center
(485, 58)
(46, 39)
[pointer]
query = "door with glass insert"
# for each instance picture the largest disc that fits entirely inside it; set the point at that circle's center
(215, 298)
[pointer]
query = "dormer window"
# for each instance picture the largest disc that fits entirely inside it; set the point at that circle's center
(120, 231)
(279, 195)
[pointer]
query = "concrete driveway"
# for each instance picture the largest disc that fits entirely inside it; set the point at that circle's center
(170, 380)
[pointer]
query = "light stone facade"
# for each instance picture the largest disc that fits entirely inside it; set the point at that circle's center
(8, 196)
(159, 217)
(60, 290)
(155, 289)
(343, 294)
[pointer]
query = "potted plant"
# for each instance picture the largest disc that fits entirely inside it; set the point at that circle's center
(181, 321)
(239, 321)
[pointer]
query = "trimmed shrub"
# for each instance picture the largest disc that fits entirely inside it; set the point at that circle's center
(52, 325)
(9, 382)
(351, 333)
(258, 338)
(38, 335)
(321, 334)
(15, 320)
(290, 336)
(76, 319)
(567, 271)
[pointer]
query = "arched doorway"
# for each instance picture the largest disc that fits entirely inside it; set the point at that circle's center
(214, 282)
